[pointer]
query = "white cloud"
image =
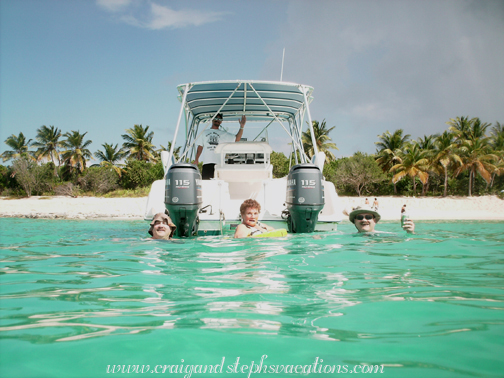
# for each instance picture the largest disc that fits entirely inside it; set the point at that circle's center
(113, 5)
(149, 15)
(164, 17)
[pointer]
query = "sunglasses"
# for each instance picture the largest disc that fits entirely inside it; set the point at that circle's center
(156, 222)
(217, 119)
(361, 217)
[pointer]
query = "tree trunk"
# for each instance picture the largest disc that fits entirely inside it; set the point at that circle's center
(470, 183)
(55, 169)
(414, 186)
(445, 182)
(395, 188)
(425, 188)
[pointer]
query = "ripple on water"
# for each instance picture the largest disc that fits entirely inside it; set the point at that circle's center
(395, 299)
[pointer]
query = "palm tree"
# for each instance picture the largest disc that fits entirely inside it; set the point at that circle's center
(111, 156)
(322, 139)
(47, 143)
(497, 137)
(445, 150)
(476, 157)
(139, 143)
(467, 129)
(19, 147)
(76, 151)
(497, 144)
(414, 164)
(427, 144)
(176, 151)
(461, 126)
(390, 149)
(478, 129)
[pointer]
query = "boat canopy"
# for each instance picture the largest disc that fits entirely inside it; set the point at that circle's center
(260, 101)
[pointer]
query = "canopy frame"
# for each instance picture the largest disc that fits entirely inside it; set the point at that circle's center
(259, 101)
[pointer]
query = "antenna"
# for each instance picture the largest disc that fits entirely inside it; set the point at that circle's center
(283, 56)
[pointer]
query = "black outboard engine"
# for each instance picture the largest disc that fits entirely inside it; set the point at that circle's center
(305, 197)
(183, 197)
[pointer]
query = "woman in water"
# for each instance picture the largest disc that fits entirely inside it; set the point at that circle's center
(250, 225)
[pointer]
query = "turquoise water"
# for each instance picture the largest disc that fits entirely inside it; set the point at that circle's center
(80, 298)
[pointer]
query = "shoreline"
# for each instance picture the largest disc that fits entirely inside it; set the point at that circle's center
(63, 207)
(419, 208)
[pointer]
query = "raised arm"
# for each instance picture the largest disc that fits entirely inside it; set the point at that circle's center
(409, 226)
(242, 126)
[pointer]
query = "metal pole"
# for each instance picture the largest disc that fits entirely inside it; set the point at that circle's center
(178, 125)
(315, 149)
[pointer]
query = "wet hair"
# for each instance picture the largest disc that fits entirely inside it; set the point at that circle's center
(250, 203)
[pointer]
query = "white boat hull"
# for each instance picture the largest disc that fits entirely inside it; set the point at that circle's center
(220, 211)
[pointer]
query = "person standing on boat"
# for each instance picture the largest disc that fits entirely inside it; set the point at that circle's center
(210, 140)
(250, 225)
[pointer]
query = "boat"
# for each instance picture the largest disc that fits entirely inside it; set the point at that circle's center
(301, 202)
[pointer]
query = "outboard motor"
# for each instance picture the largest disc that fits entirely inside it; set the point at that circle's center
(183, 197)
(305, 197)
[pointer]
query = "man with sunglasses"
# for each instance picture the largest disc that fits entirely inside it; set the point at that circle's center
(365, 219)
(211, 139)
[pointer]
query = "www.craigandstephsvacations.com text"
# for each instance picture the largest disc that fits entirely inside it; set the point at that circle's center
(249, 369)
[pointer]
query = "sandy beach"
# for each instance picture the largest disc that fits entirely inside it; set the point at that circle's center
(420, 208)
(435, 208)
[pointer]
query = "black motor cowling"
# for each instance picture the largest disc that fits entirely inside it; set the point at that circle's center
(305, 197)
(183, 197)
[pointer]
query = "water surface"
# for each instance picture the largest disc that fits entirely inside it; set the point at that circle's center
(78, 297)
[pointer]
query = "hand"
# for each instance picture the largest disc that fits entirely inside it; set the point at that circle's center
(243, 121)
(409, 226)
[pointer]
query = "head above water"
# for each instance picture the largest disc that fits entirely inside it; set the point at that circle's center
(249, 211)
(250, 203)
(364, 218)
(162, 227)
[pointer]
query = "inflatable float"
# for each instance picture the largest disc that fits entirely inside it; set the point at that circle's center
(271, 234)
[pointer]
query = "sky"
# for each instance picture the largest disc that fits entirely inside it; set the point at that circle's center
(102, 66)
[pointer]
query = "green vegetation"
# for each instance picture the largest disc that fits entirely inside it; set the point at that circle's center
(111, 156)
(76, 151)
(138, 143)
(19, 147)
(322, 139)
(467, 158)
(357, 173)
